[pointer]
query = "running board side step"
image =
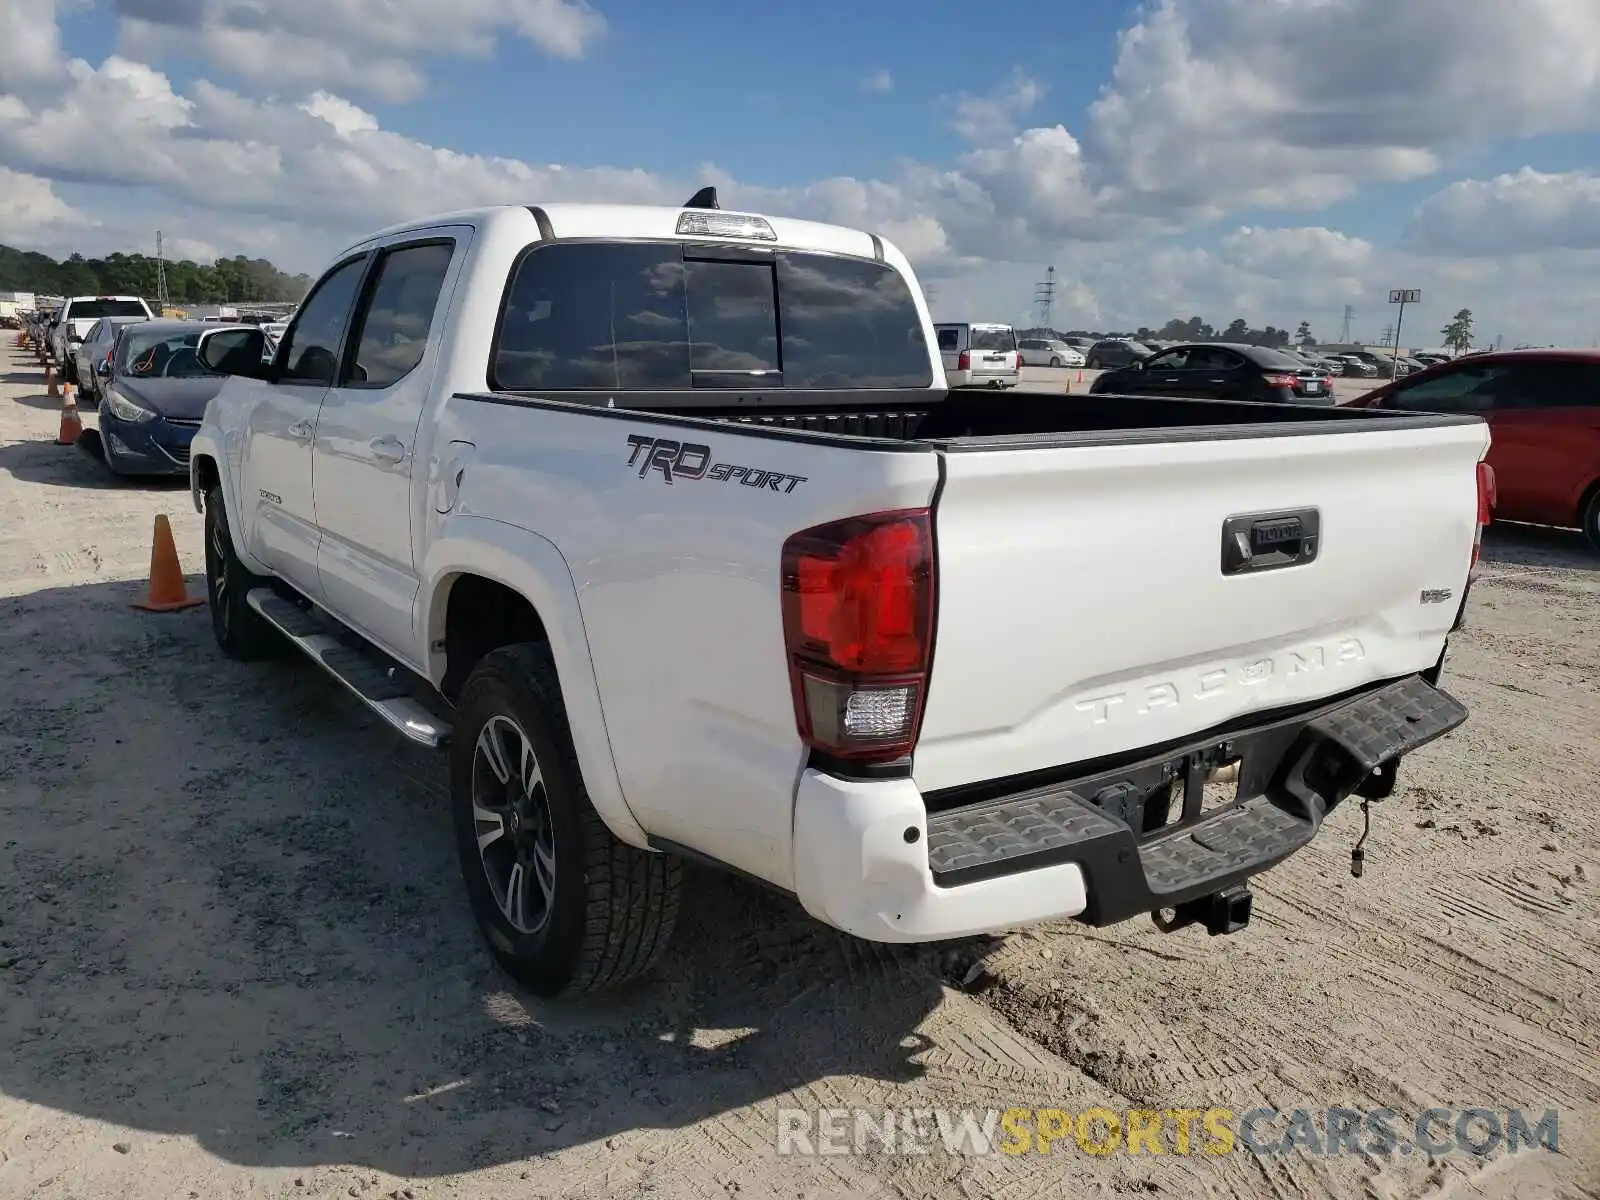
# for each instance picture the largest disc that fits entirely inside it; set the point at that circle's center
(364, 673)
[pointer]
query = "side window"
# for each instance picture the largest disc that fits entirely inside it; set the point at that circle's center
(594, 316)
(1169, 360)
(393, 332)
(1541, 385)
(1468, 389)
(310, 351)
(949, 339)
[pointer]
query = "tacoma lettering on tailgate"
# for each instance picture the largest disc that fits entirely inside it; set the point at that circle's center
(1219, 681)
(677, 460)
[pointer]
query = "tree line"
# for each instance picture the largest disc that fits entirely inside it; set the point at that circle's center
(227, 280)
(1192, 330)
(1457, 334)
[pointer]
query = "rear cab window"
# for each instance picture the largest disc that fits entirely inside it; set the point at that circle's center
(679, 316)
(84, 310)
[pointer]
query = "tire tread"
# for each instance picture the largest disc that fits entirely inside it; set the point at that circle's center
(632, 896)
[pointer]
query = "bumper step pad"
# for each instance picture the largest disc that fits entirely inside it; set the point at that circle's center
(1124, 876)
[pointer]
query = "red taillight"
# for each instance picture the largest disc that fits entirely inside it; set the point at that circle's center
(1486, 503)
(858, 628)
(1281, 381)
(1019, 360)
(964, 361)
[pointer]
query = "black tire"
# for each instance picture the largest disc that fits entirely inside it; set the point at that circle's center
(241, 631)
(1055, 362)
(69, 370)
(606, 910)
(1591, 521)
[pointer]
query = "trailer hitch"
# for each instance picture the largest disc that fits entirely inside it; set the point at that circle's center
(1227, 911)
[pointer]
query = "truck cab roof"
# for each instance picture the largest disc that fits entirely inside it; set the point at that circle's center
(564, 220)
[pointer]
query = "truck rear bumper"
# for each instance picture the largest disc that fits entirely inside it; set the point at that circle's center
(871, 860)
(861, 865)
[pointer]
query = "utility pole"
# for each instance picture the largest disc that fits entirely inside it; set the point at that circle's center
(1344, 330)
(1044, 295)
(163, 301)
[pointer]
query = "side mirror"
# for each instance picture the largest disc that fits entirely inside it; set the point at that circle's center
(1136, 365)
(234, 352)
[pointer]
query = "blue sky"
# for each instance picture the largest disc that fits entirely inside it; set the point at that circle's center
(1220, 157)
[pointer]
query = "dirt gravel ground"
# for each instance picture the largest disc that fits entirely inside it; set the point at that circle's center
(235, 960)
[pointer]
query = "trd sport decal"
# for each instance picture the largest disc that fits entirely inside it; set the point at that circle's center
(691, 461)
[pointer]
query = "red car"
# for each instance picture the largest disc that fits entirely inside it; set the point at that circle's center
(1543, 410)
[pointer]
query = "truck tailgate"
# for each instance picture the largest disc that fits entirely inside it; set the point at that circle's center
(1084, 609)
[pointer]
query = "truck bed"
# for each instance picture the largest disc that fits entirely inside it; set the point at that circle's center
(974, 419)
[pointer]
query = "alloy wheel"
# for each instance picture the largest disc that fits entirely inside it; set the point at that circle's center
(221, 584)
(511, 819)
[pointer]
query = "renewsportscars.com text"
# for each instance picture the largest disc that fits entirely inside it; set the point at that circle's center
(1100, 1131)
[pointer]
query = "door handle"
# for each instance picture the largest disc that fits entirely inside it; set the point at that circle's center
(387, 449)
(300, 431)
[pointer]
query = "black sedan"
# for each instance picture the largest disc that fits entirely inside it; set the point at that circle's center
(1220, 371)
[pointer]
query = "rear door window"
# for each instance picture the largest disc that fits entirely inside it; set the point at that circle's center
(1549, 384)
(949, 338)
(667, 316)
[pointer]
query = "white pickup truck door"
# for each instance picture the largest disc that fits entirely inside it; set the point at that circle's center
(365, 455)
(276, 499)
(1089, 605)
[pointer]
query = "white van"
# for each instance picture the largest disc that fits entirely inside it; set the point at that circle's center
(979, 355)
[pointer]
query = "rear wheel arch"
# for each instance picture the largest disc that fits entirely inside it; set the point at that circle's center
(1589, 514)
(477, 615)
(518, 584)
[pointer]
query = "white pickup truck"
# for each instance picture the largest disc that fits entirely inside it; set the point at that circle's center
(78, 316)
(664, 522)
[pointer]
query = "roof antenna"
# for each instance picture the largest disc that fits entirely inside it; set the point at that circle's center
(706, 197)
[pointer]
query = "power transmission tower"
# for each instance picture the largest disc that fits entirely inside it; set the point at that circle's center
(1388, 335)
(163, 301)
(1044, 295)
(1344, 331)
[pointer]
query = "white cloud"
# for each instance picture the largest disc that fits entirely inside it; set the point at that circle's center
(32, 213)
(880, 81)
(364, 46)
(1511, 214)
(30, 43)
(1216, 104)
(996, 113)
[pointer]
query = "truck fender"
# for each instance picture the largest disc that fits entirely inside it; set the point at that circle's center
(535, 569)
(205, 446)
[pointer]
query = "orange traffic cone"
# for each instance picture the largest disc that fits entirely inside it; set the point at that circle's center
(71, 422)
(167, 592)
(50, 387)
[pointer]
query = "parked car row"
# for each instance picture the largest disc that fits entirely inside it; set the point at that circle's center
(144, 376)
(1220, 371)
